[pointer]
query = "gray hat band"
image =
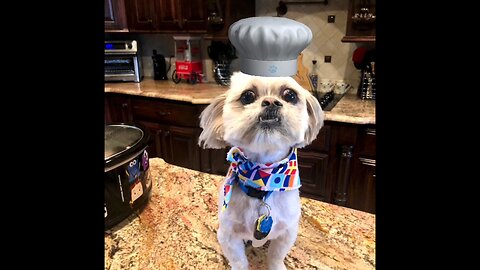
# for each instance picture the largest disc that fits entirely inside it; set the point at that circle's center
(268, 68)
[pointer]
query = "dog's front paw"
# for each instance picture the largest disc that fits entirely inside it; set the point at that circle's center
(276, 266)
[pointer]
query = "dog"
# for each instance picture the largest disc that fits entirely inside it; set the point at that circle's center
(264, 120)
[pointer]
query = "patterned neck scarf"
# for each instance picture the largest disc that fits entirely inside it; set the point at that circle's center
(279, 176)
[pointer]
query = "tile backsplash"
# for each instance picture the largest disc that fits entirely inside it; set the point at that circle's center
(326, 37)
(326, 41)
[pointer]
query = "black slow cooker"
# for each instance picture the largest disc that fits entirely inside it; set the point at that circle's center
(127, 185)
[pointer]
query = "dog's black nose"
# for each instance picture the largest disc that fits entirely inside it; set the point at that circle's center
(271, 102)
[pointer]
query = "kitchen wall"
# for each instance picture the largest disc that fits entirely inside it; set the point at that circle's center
(326, 37)
(326, 41)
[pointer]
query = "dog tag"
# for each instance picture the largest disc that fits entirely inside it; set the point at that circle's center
(263, 225)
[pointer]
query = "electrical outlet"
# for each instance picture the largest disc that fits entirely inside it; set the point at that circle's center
(331, 18)
(328, 59)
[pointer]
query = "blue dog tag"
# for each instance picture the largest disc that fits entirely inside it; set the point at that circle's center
(263, 225)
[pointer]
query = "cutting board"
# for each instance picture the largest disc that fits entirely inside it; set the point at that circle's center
(302, 74)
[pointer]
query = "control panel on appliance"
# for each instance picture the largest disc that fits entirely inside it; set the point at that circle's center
(121, 47)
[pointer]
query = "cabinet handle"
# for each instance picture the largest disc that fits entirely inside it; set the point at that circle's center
(367, 161)
(163, 113)
(124, 105)
(371, 131)
(149, 20)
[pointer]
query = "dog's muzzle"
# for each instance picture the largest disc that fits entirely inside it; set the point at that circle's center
(270, 115)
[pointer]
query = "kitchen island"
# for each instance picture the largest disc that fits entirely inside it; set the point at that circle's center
(177, 230)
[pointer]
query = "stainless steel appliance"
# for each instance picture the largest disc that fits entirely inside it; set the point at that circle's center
(122, 61)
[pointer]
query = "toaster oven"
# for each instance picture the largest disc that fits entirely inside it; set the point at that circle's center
(122, 61)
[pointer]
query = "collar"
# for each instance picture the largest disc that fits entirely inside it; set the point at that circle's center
(260, 180)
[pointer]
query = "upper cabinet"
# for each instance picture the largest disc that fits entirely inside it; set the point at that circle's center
(361, 21)
(166, 15)
(115, 18)
(210, 17)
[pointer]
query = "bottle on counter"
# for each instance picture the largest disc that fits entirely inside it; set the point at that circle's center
(313, 76)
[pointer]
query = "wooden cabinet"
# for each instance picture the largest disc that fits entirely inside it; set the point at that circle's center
(176, 16)
(313, 167)
(230, 11)
(361, 188)
(337, 167)
(173, 126)
(115, 17)
(167, 15)
(119, 110)
(360, 21)
(214, 161)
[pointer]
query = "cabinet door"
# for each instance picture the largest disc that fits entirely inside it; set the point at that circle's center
(360, 31)
(141, 15)
(115, 18)
(313, 174)
(168, 15)
(361, 189)
(119, 109)
(194, 15)
(181, 147)
(158, 138)
(214, 161)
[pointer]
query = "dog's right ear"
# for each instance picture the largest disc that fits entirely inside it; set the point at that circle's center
(211, 122)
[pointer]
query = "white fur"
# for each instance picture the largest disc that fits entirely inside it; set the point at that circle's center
(224, 122)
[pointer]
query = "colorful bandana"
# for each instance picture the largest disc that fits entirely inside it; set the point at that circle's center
(279, 176)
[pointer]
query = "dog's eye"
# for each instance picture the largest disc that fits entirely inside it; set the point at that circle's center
(290, 96)
(247, 97)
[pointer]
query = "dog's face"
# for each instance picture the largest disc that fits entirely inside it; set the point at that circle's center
(261, 114)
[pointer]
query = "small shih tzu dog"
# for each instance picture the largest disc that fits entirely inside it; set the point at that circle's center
(264, 120)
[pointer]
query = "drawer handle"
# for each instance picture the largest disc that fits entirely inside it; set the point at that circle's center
(371, 131)
(163, 113)
(367, 161)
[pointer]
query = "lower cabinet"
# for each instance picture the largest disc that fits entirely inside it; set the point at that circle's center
(361, 188)
(338, 167)
(214, 161)
(176, 145)
(313, 168)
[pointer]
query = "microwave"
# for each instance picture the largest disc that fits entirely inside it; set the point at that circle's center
(122, 61)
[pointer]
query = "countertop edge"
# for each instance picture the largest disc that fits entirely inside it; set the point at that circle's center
(348, 110)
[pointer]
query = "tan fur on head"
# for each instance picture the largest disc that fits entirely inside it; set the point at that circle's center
(212, 123)
(227, 121)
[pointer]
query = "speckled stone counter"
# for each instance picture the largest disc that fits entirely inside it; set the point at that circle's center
(200, 93)
(177, 230)
(350, 109)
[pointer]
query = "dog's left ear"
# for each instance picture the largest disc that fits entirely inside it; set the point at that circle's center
(211, 121)
(315, 119)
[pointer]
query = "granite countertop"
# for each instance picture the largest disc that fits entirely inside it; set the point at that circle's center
(199, 93)
(177, 230)
(350, 109)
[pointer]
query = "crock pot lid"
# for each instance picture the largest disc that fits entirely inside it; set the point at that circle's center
(120, 138)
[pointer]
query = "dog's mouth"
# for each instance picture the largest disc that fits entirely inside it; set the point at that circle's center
(269, 118)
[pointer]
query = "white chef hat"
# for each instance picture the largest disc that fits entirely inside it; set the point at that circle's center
(269, 46)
